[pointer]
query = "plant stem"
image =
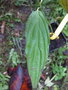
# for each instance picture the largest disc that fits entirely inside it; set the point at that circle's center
(53, 78)
(60, 27)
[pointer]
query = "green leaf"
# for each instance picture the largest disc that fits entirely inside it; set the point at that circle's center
(37, 45)
(14, 57)
(65, 30)
(60, 71)
(19, 2)
(11, 53)
(55, 87)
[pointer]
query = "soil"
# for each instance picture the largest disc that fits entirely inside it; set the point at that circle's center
(23, 13)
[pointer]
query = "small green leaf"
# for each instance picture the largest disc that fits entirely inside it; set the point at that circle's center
(65, 30)
(60, 71)
(19, 2)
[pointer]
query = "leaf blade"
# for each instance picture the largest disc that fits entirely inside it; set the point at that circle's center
(37, 45)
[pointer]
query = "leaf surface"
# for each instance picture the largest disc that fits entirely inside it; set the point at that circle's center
(37, 45)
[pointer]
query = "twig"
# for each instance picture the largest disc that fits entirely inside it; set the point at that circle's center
(60, 27)
(3, 27)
